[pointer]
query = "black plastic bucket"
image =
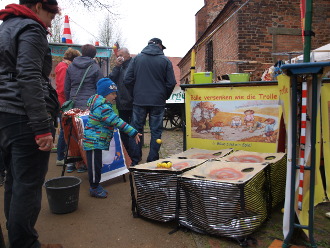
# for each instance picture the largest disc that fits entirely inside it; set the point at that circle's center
(63, 194)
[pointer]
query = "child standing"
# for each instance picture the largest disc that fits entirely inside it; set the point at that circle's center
(217, 131)
(99, 132)
(269, 129)
(236, 122)
(249, 119)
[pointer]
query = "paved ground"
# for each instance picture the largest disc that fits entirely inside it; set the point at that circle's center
(105, 223)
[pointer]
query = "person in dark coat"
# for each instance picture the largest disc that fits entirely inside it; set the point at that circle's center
(28, 109)
(124, 100)
(151, 76)
(75, 73)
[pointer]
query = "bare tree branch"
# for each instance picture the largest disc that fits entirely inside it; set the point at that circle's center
(92, 5)
(108, 32)
(56, 30)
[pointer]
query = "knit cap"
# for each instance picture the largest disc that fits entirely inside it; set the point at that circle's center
(105, 86)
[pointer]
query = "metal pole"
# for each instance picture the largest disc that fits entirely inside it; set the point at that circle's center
(192, 65)
(308, 30)
(184, 132)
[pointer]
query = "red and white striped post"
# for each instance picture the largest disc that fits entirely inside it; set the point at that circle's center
(302, 143)
(67, 30)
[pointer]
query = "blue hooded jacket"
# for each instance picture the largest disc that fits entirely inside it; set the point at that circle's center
(101, 123)
(152, 76)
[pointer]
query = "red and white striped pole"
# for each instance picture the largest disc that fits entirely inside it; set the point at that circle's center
(67, 30)
(302, 143)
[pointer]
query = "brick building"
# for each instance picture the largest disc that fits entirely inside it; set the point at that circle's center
(251, 35)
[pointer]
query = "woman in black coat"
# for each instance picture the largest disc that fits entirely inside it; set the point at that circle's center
(28, 108)
(75, 73)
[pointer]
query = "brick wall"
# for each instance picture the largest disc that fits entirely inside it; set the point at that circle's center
(257, 33)
(225, 46)
(267, 27)
(184, 66)
(206, 15)
(321, 23)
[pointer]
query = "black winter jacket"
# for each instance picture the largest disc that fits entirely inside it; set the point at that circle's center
(75, 73)
(25, 64)
(152, 76)
(124, 100)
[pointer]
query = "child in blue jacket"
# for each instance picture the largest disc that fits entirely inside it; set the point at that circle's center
(99, 131)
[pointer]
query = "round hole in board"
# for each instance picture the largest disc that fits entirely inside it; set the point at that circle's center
(247, 170)
(270, 158)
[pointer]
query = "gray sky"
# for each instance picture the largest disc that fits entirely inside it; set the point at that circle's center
(173, 21)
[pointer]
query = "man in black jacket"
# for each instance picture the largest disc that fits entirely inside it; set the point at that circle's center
(152, 77)
(124, 101)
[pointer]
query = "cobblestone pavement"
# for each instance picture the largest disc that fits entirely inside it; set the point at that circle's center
(172, 143)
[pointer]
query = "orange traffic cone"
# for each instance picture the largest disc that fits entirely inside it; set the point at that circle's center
(67, 30)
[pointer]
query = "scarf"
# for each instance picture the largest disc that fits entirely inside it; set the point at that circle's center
(20, 10)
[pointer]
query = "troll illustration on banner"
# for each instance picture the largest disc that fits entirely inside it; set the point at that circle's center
(236, 122)
(202, 115)
(269, 129)
(242, 121)
(249, 119)
(256, 125)
(217, 131)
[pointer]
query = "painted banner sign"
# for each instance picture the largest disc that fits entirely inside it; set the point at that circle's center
(242, 118)
(57, 50)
